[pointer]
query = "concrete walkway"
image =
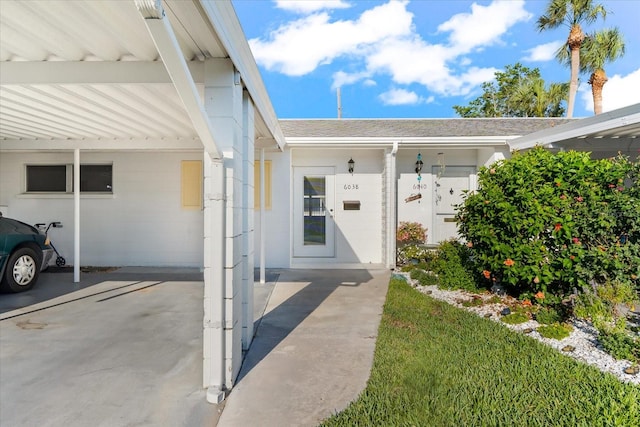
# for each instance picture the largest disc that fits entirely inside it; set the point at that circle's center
(313, 349)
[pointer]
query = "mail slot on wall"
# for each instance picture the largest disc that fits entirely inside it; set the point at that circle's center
(351, 205)
(450, 219)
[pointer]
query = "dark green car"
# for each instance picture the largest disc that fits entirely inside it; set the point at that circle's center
(24, 251)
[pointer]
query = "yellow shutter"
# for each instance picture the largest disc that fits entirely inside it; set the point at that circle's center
(267, 184)
(192, 184)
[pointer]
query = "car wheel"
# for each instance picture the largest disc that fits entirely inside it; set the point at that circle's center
(22, 270)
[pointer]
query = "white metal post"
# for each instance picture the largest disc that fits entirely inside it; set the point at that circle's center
(263, 231)
(76, 215)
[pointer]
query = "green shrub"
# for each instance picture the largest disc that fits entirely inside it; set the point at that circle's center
(409, 233)
(600, 303)
(620, 344)
(555, 331)
(551, 222)
(411, 253)
(548, 315)
(425, 278)
(410, 238)
(454, 266)
(515, 318)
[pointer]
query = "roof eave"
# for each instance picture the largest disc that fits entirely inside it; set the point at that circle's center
(387, 142)
(581, 128)
(228, 29)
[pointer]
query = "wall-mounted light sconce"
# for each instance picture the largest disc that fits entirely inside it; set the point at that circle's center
(351, 165)
(419, 163)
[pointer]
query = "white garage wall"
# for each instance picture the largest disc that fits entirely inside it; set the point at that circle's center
(277, 237)
(141, 224)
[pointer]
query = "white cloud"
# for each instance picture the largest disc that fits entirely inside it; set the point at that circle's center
(484, 25)
(429, 67)
(618, 92)
(400, 97)
(301, 46)
(543, 52)
(340, 78)
(310, 6)
(383, 41)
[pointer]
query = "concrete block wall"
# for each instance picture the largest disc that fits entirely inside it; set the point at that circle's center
(228, 112)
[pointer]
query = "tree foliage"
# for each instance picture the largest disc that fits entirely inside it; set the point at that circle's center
(554, 222)
(571, 13)
(598, 49)
(518, 91)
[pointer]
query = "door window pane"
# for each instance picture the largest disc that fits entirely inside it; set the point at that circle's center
(49, 178)
(314, 211)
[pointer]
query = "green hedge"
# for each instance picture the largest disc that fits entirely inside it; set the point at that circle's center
(553, 222)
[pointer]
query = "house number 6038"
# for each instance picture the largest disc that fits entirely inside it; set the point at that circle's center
(351, 186)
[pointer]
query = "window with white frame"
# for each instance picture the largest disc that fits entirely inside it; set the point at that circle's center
(94, 178)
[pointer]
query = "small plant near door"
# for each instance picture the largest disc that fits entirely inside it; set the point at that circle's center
(410, 238)
(411, 233)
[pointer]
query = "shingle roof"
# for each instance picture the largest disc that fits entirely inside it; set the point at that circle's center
(407, 128)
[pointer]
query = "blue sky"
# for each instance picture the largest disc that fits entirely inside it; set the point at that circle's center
(415, 59)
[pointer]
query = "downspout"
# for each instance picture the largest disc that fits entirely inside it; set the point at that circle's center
(214, 319)
(393, 211)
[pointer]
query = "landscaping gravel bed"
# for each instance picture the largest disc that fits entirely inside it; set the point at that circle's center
(582, 344)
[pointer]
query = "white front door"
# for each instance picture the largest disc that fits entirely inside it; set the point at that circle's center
(447, 188)
(313, 209)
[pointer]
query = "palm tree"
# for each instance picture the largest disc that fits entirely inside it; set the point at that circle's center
(537, 99)
(572, 13)
(599, 48)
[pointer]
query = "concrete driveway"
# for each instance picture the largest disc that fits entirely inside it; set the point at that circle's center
(124, 348)
(121, 348)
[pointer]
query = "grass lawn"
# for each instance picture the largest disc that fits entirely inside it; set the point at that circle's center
(437, 365)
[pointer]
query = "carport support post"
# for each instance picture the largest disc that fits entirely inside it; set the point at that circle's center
(263, 223)
(214, 278)
(248, 201)
(76, 215)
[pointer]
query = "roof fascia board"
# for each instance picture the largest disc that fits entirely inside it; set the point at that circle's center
(580, 128)
(367, 142)
(91, 72)
(169, 49)
(228, 30)
(137, 144)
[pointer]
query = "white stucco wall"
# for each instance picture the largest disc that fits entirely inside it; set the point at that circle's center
(358, 233)
(141, 224)
(424, 210)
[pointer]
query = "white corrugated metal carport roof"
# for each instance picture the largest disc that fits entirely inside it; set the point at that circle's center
(606, 133)
(89, 71)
